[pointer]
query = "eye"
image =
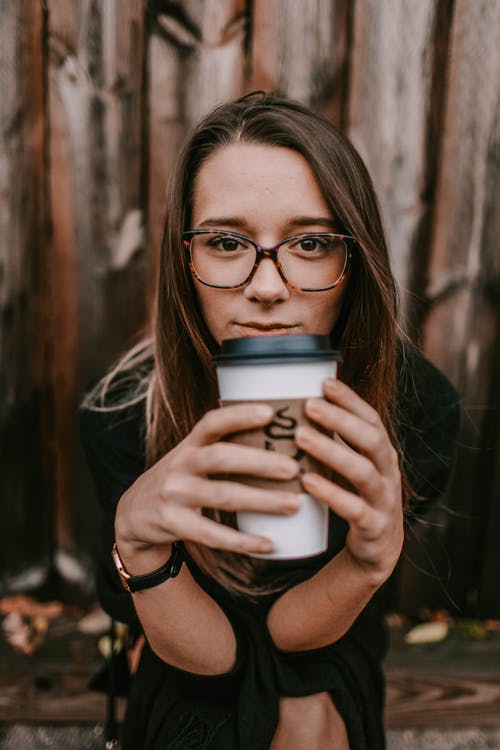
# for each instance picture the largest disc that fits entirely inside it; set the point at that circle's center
(310, 243)
(226, 243)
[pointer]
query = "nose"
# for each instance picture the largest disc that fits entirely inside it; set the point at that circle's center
(266, 285)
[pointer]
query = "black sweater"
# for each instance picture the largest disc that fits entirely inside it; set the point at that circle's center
(169, 708)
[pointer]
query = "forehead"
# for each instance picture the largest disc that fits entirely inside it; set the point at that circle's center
(258, 181)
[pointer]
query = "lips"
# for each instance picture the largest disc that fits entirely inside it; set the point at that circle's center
(266, 329)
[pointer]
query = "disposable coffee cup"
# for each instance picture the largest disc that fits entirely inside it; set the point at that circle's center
(282, 371)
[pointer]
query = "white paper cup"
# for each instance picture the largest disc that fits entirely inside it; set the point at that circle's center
(282, 371)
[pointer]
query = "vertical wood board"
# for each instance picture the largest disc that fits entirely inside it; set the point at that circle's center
(25, 507)
(196, 60)
(470, 143)
(299, 49)
(461, 330)
(95, 105)
(389, 98)
(465, 241)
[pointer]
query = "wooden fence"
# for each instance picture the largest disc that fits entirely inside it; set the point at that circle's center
(95, 98)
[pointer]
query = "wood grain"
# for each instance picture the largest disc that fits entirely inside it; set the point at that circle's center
(196, 59)
(300, 50)
(51, 697)
(392, 82)
(462, 328)
(431, 701)
(95, 109)
(442, 701)
(24, 484)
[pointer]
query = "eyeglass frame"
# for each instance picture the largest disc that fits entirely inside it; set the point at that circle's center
(267, 252)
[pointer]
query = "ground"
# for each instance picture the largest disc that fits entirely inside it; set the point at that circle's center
(442, 695)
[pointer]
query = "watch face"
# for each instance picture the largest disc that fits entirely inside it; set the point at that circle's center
(124, 576)
(138, 583)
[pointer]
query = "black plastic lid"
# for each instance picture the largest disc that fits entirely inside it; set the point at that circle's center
(267, 350)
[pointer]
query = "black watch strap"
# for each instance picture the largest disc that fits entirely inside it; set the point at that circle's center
(148, 580)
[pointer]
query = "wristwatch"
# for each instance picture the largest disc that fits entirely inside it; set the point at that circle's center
(146, 581)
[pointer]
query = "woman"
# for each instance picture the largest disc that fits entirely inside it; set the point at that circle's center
(240, 653)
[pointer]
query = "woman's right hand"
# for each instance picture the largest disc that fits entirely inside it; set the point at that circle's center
(165, 503)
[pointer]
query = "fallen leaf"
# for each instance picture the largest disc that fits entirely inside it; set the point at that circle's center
(427, 632)
(121, 630)
(492, 625)
(95, 623)
(396, 620)
(441, 615)
(40, 624)
(471, 630)
(26, 605)
(104, 646)
(21, 635)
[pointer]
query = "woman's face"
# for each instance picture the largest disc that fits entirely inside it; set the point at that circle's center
(267, 193)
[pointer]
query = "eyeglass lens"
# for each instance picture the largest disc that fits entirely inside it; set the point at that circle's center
(307, 262)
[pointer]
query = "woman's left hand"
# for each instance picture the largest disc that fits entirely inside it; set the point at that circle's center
(374, 510)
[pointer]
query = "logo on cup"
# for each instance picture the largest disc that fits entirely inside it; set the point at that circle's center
(282, 428)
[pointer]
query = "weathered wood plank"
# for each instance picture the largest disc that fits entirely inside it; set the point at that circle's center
(441, 701)
(95, 106)
(469, 172)
(54, 696)
(196, 59)
(462, 328)
(429, 701)
(396, 79)
(454, 682)
(51, 696)
(25, 499)
(300, 49)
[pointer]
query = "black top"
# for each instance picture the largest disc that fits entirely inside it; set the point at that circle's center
(170, 708)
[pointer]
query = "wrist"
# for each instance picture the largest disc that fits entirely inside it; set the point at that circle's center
(138, 555)
(373, 574)
(133, 582)
(140, 558)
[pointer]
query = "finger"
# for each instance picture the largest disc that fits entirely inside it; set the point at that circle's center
(352, 508)
(340, 393)
(367, 438)
(368, 527)
(232, 496)
(217, 535)
(231, 458)
(357, 469)
(217, 423)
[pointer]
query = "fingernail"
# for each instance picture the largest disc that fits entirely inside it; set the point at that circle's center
(303, 434)
(293, 505)
(289, 470)
(266, 546)
(331, 382)
(313, 405)
(308, 479)
(263, 411)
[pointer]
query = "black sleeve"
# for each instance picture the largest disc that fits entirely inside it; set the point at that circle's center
(428, 419)
(113, 442)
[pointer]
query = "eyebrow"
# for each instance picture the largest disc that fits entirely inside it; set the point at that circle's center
(304, 221)
(236, 222)
(224, 221)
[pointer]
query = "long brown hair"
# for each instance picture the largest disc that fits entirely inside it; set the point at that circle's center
(181, 385)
